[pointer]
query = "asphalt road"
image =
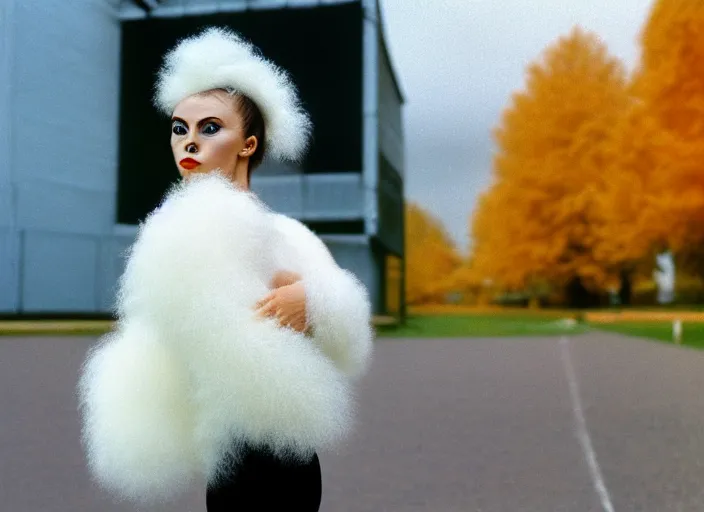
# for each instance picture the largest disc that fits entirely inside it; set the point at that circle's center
(594, 423)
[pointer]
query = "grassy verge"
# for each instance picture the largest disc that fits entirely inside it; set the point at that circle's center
(54, 327)
(510, 324)
(481, 325)
(692, 332)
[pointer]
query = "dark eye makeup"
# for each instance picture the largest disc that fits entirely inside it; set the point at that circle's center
(211, 128)
(178, 128)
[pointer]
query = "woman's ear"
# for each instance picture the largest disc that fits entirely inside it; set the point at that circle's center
(250, 146)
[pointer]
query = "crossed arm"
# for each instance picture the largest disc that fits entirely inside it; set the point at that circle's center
(286, 302)
(317, 297)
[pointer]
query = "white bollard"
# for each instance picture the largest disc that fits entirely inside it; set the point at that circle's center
(677, 331)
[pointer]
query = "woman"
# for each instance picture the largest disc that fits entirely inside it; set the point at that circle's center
(238, 335)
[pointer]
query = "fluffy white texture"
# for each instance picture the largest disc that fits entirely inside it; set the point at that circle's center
(219, 58)
(337, 303)
(138, 423)
(199, 264)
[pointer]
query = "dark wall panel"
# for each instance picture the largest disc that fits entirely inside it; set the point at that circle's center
(391, 207)
(320, 47)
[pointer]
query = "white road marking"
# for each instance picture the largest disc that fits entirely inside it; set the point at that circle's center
(582, 432)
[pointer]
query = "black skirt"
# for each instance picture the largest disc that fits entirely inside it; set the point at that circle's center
(261, 481)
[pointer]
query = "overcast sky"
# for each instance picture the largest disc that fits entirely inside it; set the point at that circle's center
(458, 62)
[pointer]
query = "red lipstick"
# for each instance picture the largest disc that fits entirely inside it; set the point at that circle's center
(189, 163)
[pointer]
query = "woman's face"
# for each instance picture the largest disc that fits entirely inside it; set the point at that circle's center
(207, 134)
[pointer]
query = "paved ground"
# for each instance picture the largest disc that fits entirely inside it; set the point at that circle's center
(595, 423)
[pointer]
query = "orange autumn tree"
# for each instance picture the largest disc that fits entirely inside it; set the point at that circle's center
(431, 257)
(536, 225)
(670, 86)
(629, 229)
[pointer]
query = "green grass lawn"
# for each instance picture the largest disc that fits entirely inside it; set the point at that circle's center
(523, 325)
(692, 333)
(432, 326)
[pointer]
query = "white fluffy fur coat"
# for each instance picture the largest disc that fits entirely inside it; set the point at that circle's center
(189, 368)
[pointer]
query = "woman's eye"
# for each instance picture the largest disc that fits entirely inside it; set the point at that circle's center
(179, 129)
(211, 128)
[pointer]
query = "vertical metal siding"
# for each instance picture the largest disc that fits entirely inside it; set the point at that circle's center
(370, 112)
(9, 255)
(64, 147)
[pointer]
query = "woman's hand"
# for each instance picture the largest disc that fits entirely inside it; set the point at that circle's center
(287, 302)
(284, 277)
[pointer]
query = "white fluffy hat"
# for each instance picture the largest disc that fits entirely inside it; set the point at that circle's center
(219, 58)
